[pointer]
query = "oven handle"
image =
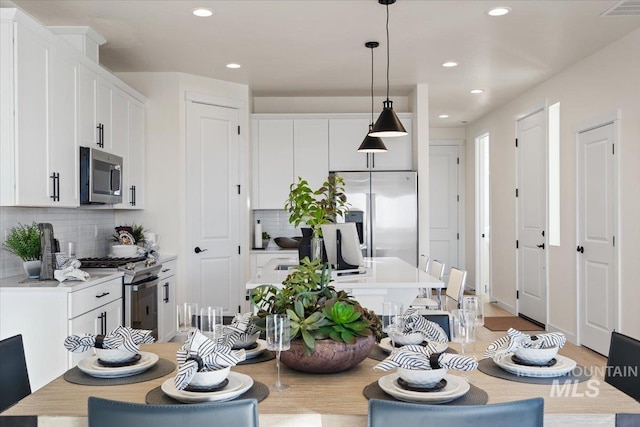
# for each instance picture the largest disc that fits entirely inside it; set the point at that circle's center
(149, 282)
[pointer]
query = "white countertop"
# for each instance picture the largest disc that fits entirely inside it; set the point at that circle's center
(387, 272)
(23, 284)
(275, 250)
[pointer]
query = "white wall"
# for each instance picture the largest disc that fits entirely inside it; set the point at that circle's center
(447, 133)
(600, 84)
(165, 202)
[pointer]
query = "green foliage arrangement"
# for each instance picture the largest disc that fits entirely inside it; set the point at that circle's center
(24, 241)
(137, 233)
(315, 308)
(265, 235)
(318, 207)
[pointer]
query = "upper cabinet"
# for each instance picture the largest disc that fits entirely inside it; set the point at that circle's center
(283, 150)
(134, 158)
(55, 99)
(346, 135)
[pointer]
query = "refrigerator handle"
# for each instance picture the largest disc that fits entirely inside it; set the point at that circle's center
(372, 204)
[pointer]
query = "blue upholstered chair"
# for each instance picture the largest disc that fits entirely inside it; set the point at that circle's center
(14, 377)
(522, 413)
(110, 413)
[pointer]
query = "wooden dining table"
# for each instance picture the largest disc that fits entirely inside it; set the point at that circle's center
(337, 400)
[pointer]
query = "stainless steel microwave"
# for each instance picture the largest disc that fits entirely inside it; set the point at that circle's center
(100, 177)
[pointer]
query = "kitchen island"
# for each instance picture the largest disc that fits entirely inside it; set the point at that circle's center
(383, 279)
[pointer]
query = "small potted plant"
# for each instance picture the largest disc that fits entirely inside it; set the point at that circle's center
(265, 239)
(24, 241)
(315, 208)
(330, 331)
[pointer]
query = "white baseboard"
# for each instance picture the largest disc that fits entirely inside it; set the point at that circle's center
(571, 337)
(511, 309)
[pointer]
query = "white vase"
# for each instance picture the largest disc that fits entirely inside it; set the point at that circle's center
(32, 268)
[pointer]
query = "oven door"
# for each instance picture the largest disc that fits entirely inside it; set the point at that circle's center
(144, 305)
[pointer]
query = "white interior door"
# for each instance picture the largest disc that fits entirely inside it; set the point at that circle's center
(483, 230)
(444, 206)
(596, 237)
(213, 206)
(531, 216)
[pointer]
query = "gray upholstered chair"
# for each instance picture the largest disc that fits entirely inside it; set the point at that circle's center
(622, 363)
(521, 413)
(14, 377)
(236, 413)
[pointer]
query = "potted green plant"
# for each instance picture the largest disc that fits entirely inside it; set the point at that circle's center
(24, 242)
(265, 239)
(136, 231)
(325, 322)
(316, 207)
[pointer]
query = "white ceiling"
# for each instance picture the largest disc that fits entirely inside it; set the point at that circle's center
(316, 47)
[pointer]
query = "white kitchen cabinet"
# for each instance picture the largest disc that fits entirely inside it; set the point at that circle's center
(37, 114)
(346, 135)
(98, 103)
(167, 322)
(258, 261)
(119, 135)
(88, 127)
(134, 159)
(283, 150)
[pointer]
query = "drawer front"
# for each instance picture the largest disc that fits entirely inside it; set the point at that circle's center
(169, 269)
(91, 298)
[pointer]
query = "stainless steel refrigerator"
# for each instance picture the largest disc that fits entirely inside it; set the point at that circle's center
(389, 205)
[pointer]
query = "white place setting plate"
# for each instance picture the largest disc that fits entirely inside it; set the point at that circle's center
(385, 344)
(238, 384)
(456, 387)
(563, 366)
(262, 346)
(91, 366)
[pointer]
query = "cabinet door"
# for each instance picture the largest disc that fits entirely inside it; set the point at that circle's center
(31, 133)
(87, 102)
(399, 152)
(63, 146)
(119, 135)
(274, 162)
(134, 160)
(103, 112)
(167, 308)
(96, 322)
(311, 151)
(345, 136)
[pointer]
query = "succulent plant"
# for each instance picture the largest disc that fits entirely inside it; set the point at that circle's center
(315, 308)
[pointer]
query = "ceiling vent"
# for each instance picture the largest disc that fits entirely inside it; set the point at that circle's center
(624, 8)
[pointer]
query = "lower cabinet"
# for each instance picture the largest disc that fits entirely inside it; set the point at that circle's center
(167, 305)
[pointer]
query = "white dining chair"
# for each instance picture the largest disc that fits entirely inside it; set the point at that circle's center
(455, 287)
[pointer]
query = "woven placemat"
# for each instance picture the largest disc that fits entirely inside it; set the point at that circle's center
(379, 354)
(579, 374)
(262, 357)
(475, 396)
(156, 396)
(160, 369)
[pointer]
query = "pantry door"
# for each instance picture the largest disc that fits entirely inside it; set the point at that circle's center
(213, 206)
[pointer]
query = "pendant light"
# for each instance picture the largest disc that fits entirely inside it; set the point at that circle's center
(372, 144)
(388, 124)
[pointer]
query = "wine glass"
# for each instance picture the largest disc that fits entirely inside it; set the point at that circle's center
(390, 313)
(463, 329)
(211, 322)
(187, 317)
(278, 339)
(474, 303)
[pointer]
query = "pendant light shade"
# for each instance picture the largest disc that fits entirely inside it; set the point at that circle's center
(372, 144)
(388, 124)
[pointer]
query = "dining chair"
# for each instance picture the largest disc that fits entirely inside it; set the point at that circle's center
(235, 413)
(622, 364)
(521, 413)
(14, 377)
(441, 320)
(455, 286)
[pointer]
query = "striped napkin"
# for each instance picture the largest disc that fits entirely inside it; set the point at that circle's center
(200, 353)
(415, 322)
(418, 357)
(516, 339)
(122, 337)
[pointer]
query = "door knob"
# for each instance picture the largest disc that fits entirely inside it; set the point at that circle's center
(198, 250)
(580, 249)
(541, 246)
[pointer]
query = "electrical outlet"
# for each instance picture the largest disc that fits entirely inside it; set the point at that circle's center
(95, 231)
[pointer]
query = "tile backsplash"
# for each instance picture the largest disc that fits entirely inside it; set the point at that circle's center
(276, 223)
(90, 229)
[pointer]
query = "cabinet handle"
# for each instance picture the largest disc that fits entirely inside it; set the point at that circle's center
(166, 292)
(101, 135)
(373, 161)
(164, 270)
(104, 294)
(55, 178)
(104, 319)
(133, 195)
(367, 160)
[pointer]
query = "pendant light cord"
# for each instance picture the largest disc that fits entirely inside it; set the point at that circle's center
(372, 85)
(387, 52)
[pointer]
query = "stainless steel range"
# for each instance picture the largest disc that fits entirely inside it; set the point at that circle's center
(140, 282)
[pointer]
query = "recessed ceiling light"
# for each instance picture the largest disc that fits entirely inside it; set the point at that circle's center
(499, 11)
(232, 65)
(450, 64)
(202, 12)
(443, 116)
(476, 90)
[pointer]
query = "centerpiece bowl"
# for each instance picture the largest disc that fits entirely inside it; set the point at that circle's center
(424, 378)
